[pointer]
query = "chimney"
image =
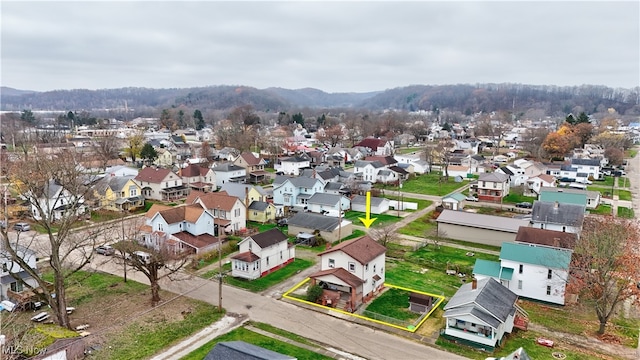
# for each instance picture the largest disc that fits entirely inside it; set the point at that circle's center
(474, 283)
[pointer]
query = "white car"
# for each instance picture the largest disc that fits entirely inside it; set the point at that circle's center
(471, 198)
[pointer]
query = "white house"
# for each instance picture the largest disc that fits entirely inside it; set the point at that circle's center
(262, 254)
(515, 173)
(228, 172)
(55, 201)
(534, 184)
(481, 312)
(229, 211)
(14, 280)
(378, 147)
(557, 216)
(180, 229)
(590, 167)
(198, 177)
(295, 191)
(377, 205)
(160, 184)
(328, 204)
(293, 165)
(368, 170)
(531, 271)
(354, 267)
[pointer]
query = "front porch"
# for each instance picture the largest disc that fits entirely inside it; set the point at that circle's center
(174, 193)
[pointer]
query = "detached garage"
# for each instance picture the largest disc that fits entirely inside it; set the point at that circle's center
(478, 228)
(378, 205)
(330, 228)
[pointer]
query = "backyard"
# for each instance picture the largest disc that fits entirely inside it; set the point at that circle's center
(430, 184)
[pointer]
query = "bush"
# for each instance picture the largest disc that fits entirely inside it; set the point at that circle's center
(314, 293)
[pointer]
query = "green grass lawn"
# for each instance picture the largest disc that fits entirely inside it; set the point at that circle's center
(393, 303)
(626, 213)
(602, 209)
(83, 287)
(421, 227)
(630, 153)
(251, 337)
(430, 184)
(516, 198)
(381, 219)
(269, 280)
(284, 333)
(623, 194)
(261, 227)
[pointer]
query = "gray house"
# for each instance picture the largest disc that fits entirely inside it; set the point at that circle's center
(557, 216)
(330, 228)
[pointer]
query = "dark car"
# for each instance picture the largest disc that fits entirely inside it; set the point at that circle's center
(283, 222)
(524, 205)
(105, 250)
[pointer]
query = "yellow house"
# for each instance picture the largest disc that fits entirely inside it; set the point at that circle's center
(262, 212)
(165, 158)
(118, 193)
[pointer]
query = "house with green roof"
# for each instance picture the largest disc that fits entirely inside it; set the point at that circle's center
(530, 271)
(569, 196)
(454, 201)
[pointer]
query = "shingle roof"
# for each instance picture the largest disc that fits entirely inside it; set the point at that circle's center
(258, 205)
(489, 296)
(152, 175)
(324, 199)
(238, 190)
(531, 235)
(250, 159)
(246, 256)
(269, 238)
(362, 200)
(537, 255)
(558, 213)
(227, 167)
(371, 143)
(384, 160)
(197, 241)
(213, 200)
(193, 170)
(314, 221)
(299, 182)
(341, 274)
(587, 162)
(362, 249)
(189, 213)
(495, 177)
(333, 186)
(481, 221)
(240, 350)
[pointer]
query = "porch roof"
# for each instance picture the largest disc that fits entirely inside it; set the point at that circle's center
(341, 274)
(246, 256)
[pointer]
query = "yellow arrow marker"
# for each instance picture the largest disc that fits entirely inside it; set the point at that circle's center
(367, 221)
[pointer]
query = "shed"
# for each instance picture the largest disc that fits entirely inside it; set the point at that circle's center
(420, 303)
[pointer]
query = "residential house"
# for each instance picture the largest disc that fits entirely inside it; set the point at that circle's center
(534, 272)
(421, 167)
(161, 184)
(377, 147)
(378, 205)
(228, 172)
(198, 178)
(246, 192)
(229, 211)
(15, 282)
(337, 156)
(590, 167)
(335, 188)
(165, 158)
(355, 268)
(118, 193)
(294, 192)
(549, 238)
(261, 211)
(261, 254)
(481, 312)
(515, 173)
(478, 228)
(180, 229)
(328, 204)
(254, 167)
(458, 170)
(590, 199)
(329, 228)
(534, 185)
(491, 187)
(120, 170)
(530, 168)
(55, 201)
(240, 350)
(293, 165)
(454, 201)
(475, 163)
(557, 216)
(367, 170)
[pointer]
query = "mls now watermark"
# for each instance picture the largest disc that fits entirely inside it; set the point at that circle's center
(22, 349)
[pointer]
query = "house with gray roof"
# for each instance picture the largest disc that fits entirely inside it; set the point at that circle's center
(295, 192)
(240, 350)
(261, 254)
(478, 228)
(293, 165)
(557, 216)
(368, 170)
(329, 228)
(328, 204)
(228, 172)
(491, 187)
(56, 200)
(261, 211)
(481, 312)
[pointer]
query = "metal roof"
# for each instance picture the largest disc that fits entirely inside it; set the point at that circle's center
(493, 269)
(491, 222)
(536, 255)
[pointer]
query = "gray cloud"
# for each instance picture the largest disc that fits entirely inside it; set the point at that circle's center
(333, 46)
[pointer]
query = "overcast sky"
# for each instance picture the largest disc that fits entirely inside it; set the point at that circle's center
(332, 46)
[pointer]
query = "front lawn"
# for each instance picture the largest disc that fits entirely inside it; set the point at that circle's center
(623, 194)
(271, 279)
(602, 209)
(393, 303)
(242, 334)
(430, 184)
(516, 198)
(626, 213)
(421, 227)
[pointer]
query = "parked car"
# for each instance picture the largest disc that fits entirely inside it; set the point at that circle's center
(21, 226)
(283, 222)
(471, 198)
(524, 205)
(105, 250)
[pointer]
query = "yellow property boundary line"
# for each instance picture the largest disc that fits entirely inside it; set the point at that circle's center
(411, 330)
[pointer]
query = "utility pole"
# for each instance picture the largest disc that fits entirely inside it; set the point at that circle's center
(219, 263)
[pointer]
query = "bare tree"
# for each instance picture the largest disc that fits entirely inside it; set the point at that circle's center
(444, 148)
(107, 149)
(55, 189)
(383, 234)
(606, 265)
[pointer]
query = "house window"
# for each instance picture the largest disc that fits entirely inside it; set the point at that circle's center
(366, 267)
(160, 227)
(255, 213)
(16, 286)
(374, 267)
(236, 212)
(267, 260)
(280, 255)
(519, 284)
(352, 267)
(564, 229)
(549, 274)
(520, 268)
(484, 184)
(548, 289)
(495, 185)
(332, 263)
